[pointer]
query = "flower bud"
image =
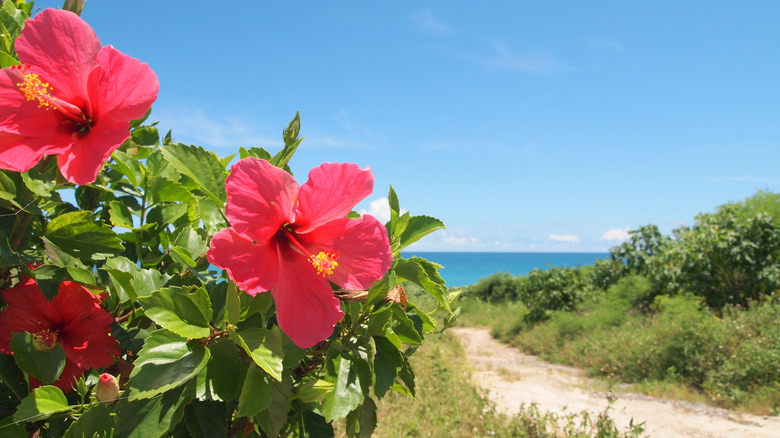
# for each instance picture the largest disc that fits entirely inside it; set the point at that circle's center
(107, 388)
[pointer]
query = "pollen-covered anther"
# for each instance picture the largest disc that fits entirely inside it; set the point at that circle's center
(44, 340)
(325, 262)
(35, 89)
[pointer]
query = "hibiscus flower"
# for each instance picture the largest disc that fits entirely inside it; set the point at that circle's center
(70, 97)
(295, 240)
(73, 319)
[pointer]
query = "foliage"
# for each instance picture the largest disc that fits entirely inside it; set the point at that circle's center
(199, 356)
(726, 258)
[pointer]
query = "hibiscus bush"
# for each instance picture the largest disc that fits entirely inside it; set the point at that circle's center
(152, 288)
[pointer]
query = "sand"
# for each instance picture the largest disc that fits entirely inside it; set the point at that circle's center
(512, 378)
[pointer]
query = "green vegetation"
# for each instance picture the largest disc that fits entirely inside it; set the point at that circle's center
(692, 314)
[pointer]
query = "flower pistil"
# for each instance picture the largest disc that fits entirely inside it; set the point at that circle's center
(44, 340)
(325, 262)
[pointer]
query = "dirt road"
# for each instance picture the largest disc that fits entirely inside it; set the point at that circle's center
(513, 378)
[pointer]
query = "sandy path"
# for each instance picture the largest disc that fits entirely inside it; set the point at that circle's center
(513, 378)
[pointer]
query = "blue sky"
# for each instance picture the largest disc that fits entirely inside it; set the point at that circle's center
(524, 126)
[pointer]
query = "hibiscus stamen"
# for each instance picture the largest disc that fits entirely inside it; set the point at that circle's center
(35, 89)
(44, 340)
(325, 262)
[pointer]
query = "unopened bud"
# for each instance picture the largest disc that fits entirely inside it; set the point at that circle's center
(107, 389)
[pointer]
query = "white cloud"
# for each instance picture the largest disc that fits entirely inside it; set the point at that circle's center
(380, 209)
(429, 24)
(620, 234)
(571, 238)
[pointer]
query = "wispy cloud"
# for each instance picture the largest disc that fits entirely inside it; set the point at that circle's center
(607, 43)
(569, 238)
(194, 125)
(619, 234)
(430, 25)
(502, 57)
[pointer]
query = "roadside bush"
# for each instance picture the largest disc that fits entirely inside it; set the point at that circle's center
(501, 286)
(551, 290)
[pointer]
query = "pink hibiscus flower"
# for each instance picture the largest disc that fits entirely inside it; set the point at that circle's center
(293, 240)
(70, 97)
(73, 319)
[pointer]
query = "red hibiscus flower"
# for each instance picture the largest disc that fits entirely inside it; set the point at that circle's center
(74, 319)
(293, 240)
(70, 97)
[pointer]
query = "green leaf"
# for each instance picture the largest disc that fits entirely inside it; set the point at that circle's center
(232, 304)
(315, 426)
(202, 166)
(12, 376)
(189, 245)
(146, 281)
(94, 421)
(166, 361)
(153, 417)
(41, 181)
(206, 419)
(263, 346)
(313, 390)
(425, 274)
(45, 366)
(378, 291)
(362, 421)
(81, 275)
(120, 215)
(185, 311)
(388, 361)
(254, 152)
(130, 167)
(121, 270)
(77, 234)
(256, 393)
(7, 255)
(275, 417)
(404, 328)
(42, 403)
(225, 371)
(417, 228)
(7, 60)
(348, 394)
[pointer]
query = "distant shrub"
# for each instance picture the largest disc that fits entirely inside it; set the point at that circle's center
(498, 287)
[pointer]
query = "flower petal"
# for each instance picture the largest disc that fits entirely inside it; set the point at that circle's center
(121, 88)
(63, 46)
(261, 198)
(27, 311)
(363, 249)
(306, 308)
(85, 327)
(253, 266)
(331, 192)
(20, 116)
(81, 163)
(20, 153)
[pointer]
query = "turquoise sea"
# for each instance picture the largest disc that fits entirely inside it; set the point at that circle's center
(466, 268)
